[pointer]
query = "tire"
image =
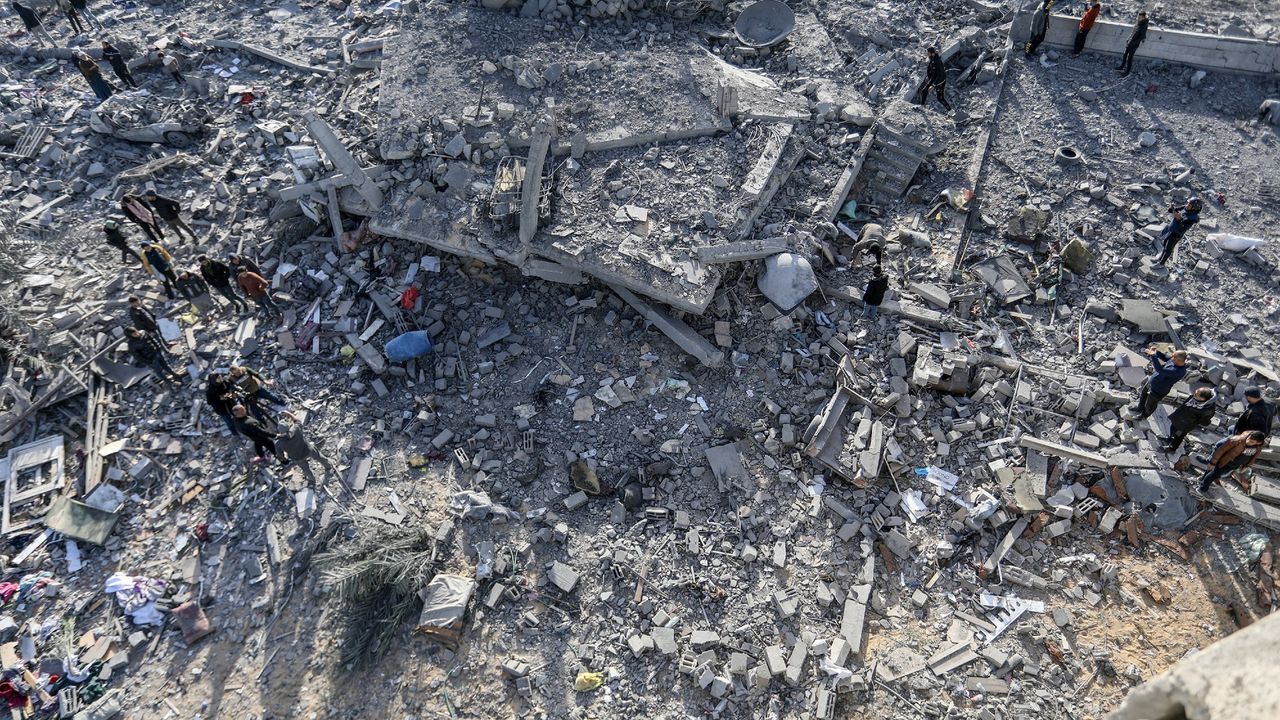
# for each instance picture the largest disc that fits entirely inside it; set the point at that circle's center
(177, 138)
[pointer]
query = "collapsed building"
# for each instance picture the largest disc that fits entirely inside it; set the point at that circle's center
(657, 462)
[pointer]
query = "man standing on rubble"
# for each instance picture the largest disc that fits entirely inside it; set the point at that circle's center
(136, 209)
(142, 318)
(93, 75)
(1135, 39)
(935, 78)
(873, 296)
(118, 64)
(170, 211)
(263, 439)
(117, 240)
(158, 262)
(73, 17)
(31, 21)
(1183, 219)
(218, 275)
(294, 446)
(240, 262)
(1194, 412)
(1257, 415)
(257, 289)
(1167, 370)
(1039, 26)
(171, 66)
(148, 351)
(1234, 453)
(1087, 22)
(219, 395)
(82, 7)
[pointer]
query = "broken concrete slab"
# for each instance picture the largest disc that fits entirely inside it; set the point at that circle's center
(787, 280)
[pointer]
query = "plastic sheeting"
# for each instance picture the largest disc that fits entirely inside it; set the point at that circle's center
(444, 604)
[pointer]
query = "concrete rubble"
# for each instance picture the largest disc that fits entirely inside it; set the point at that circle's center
(655, 458)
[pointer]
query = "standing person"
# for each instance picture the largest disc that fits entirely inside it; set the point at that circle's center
(93, 74)
(82, 7)
(1257, 414)
(294, 446)
(262, 438)
(136, 209)
(251, 384)
(1183, 219)
(31, 21)
(1196, 411)
(142, 318)
(218, 275)
(935, 78)
(171, 66)
(1167, 370)
(219, 395)
(1039, 26)
(1234, 453)
(151, 353)
(118, 64)
(1087, 22)
(73, 17)
(159, 262)
(240, 262)
(873, 296)
(1135, 39)
(256, 288)
(170, 211)
(117, 240)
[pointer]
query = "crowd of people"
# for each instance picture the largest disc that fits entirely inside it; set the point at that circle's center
(81, 19)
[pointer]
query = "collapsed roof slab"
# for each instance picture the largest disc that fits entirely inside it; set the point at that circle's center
(435, 69)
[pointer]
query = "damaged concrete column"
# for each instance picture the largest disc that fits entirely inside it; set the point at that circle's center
(1232, 680)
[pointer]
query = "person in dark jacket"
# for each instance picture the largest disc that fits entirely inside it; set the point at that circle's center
(873, 296)
(157, 260)
(1167, 370)
(73, 17)
(142, 318)
(1182, 221)
(82, 7)
(1257, 415)
(1135, 39)
(218, 275)
(170, 211)
(31, 21)
(193, 287)
(137, 210)
(1234, 453)
(1194, 412)
(148, 351)
(219, 395)
(262, 438)
(240, 262)
(118, 64)
(1087, 21)
(935, 78)
(93, 75)
(1039, 26)
(117, 240)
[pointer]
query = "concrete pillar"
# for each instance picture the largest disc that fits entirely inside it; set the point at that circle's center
(1233, 679)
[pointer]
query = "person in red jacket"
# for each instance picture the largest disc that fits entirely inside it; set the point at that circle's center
(257, 289)
(1086, 24)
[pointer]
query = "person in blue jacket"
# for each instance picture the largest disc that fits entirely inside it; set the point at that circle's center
(1167, 370)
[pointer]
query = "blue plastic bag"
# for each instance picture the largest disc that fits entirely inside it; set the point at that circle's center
(408, 346)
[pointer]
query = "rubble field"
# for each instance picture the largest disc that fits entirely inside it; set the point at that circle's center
(569, 310)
